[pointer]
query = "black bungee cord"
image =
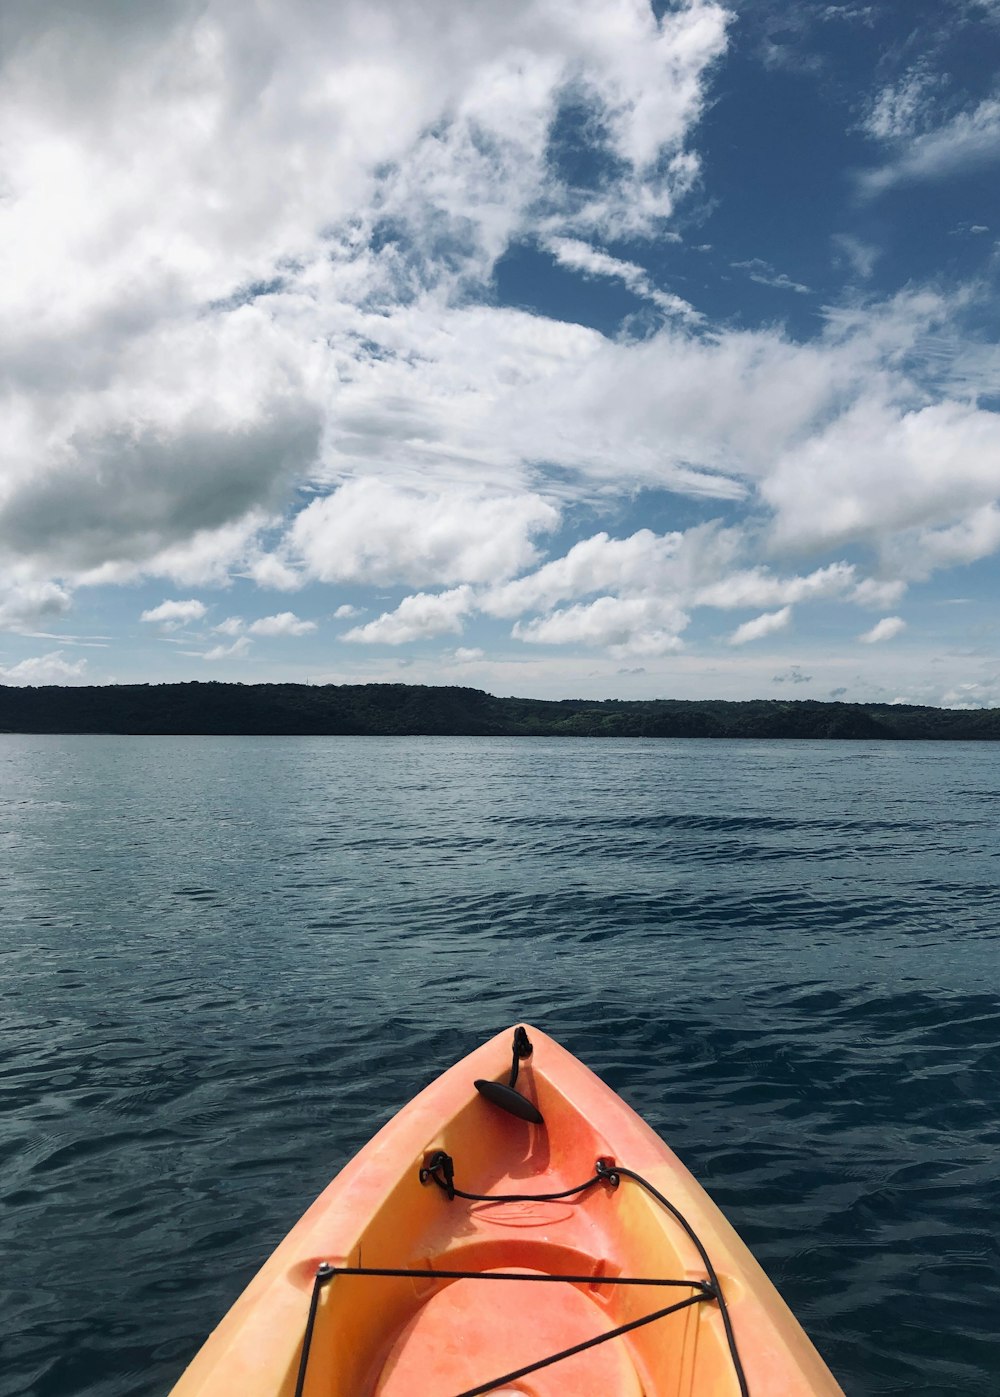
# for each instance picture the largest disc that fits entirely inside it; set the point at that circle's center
(439, 1169)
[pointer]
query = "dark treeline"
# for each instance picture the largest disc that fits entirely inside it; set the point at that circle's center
(401, 709)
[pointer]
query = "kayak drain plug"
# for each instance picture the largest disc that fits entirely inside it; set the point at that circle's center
(504, 1094)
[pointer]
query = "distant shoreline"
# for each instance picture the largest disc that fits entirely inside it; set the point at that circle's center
(416, 710)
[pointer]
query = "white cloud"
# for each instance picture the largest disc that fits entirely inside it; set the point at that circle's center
(284, 623)
(860, 14)
(206, 557)
(232, 625)
(759, 587)
(622, 625)
(226, 652)
(885, 629)
(968, 140)
(973, 694)
(467, 655)
(902, 110)
(650, 79)
(24, 604)
(165, 462)
(345, 611)
(173, 361)
(595, 564)
(764, 274)
(378, 533)
(173, 615)
(921, 552)
(269, 571)
(581, 257)
(861, 256)
(498, 396)
(878, 592)
(767, 624)
(417, 618)
(875, 471)
(45, 669)
(696, 568)
(291, 370)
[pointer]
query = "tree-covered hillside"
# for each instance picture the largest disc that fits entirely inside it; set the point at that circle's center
(400, 709)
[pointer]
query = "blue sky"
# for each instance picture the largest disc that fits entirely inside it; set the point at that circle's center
(590, 349)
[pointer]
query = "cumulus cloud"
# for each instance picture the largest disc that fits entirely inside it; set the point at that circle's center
(284, 623)
(199, 430)
(767, 624)
(345, 611)
(652, 581)
(878, 592)
(416, 618)
(922, 551)
(371, 531)
(173, 615)
(293, 370)
(697, 567)
(270, 571)
(759, 587)
(208, 557)
(885, 629)
(25, 604)
(44, 669)
(596, 564)
(622, 625)
(171, 359)
(874, 472)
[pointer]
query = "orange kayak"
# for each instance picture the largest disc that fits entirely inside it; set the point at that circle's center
(515, 1229)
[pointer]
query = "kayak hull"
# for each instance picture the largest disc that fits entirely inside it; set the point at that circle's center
(407, 1336)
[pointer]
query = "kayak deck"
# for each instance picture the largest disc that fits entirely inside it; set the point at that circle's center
(421, 1334)
(457, 1338)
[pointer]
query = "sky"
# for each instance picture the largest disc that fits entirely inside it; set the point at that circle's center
(559, 348)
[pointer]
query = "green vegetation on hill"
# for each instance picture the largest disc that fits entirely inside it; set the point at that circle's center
(413, 709)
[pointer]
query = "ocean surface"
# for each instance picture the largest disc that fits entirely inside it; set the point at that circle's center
(226, 961)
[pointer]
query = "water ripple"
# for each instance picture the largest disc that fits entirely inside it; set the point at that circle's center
(229, 960)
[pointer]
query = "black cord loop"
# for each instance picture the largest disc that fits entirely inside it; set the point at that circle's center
(440, 1170)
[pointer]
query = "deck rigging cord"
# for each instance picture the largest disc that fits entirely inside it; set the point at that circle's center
(440, 1170)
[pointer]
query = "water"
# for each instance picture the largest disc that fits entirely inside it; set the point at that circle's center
(227, 960)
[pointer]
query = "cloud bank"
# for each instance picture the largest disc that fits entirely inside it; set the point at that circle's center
(276, 355)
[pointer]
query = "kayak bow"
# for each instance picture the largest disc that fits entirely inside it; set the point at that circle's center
(520, 1232)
